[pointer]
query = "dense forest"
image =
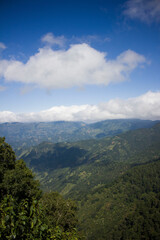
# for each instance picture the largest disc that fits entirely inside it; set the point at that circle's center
(129, 209)
(25, 212)
(114, 184)
(74, 169)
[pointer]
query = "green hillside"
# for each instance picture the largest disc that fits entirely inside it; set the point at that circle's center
(74, 168)
(114, 180)
(30, 134)
(129, 209)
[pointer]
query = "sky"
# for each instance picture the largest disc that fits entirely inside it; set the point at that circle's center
(83, 60)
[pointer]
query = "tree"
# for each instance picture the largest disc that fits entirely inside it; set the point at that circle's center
(58, 211)
(7, 161)
(23, 220)
(22, 214)
(20, 183)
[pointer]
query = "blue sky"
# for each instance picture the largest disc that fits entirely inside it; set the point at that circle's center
(79, 60)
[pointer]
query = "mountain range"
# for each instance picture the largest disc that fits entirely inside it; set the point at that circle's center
(74, 168)
(113, 174)
(30, 134)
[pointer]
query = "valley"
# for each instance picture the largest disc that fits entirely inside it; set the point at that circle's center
(114, 180)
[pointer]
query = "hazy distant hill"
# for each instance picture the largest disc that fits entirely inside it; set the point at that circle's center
(29, 134)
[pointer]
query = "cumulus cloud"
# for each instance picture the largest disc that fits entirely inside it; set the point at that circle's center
(77, 66)
(146, 106)
(145, 10)
(51, 40)
(2, 46)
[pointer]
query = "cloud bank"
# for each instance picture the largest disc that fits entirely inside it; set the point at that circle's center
(75, 67)
(145, 10)
(146, 106)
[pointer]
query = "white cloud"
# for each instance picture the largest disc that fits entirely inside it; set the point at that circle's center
(146, 106)
(78, 66)
(51, 40)
(146, 10)
(2, 46)
(2, 88)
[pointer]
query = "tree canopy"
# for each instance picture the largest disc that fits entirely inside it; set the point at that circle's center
(25, 212)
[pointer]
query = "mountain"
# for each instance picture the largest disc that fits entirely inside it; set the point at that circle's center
(115, 181)
(129, 209)
(75, 168)
(30, 134)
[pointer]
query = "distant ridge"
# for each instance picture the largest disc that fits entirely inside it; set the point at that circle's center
(29, 134)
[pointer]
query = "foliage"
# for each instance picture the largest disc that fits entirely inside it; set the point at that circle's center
(128, 209)
(7, 159)
(20, 183)
(22, 214)
(22, 221)
(144, 221)
(58, 211)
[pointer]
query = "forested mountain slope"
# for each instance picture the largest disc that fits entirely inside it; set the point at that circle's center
(29, 134)
(128, 210)
(76, 168)
(115, 181)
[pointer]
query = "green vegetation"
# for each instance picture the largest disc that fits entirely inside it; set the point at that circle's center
(74, 169)
(129, 209)
(24, 212)
(115, 182)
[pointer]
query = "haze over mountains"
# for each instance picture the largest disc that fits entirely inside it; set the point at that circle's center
(29, 134)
